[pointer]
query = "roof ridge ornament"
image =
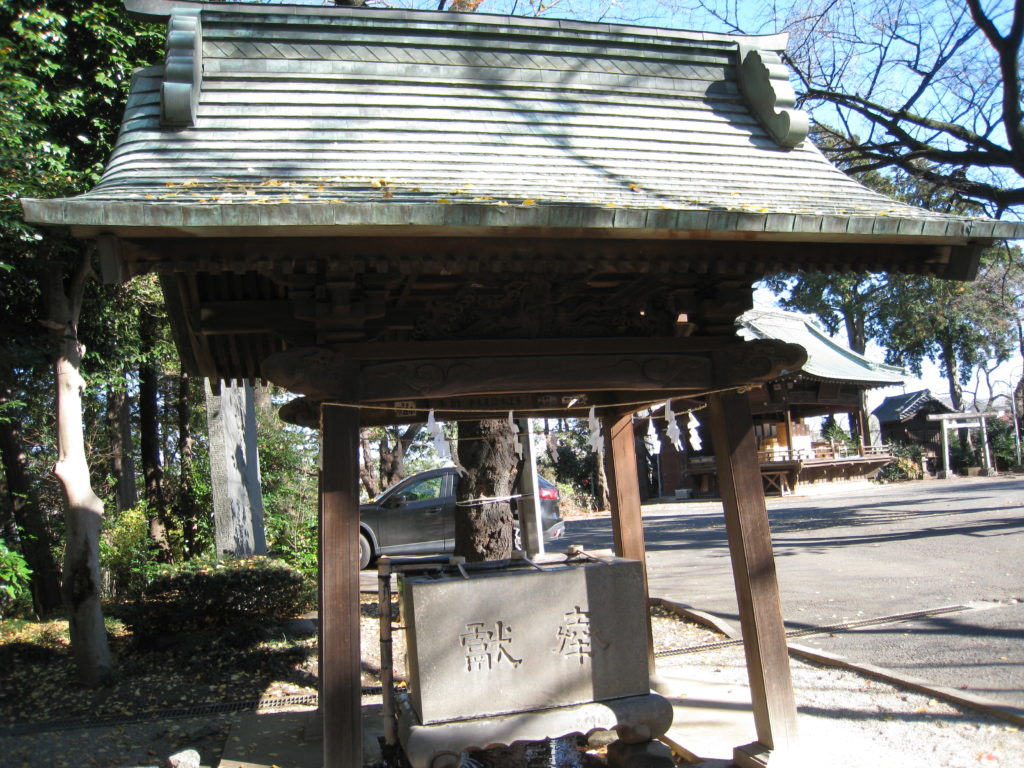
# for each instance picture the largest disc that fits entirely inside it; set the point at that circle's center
(183, 69)
(764, 82)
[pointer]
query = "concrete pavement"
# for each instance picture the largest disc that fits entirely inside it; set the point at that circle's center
(872, 554)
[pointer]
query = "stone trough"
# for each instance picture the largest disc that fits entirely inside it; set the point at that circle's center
(524, 653)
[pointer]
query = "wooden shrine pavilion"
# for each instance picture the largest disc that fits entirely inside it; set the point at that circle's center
(832, 382)
(904, 419)
(392, 212)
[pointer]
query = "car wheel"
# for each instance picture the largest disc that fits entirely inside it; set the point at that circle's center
(365, 551)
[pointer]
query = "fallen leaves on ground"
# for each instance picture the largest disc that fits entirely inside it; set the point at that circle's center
(40, 682)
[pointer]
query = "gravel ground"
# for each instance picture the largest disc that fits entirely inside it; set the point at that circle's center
(876, 724)
(854, 719)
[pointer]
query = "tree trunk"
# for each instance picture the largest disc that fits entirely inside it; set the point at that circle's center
(367, 474)
(644, 466)
(83, 508)
(856, 336)
(601, 497)
(550, 442)
(483, 530)
(956, 392)
(149, 440)
(187, 512)
(30, 527)
(392, 459)
(122, 449)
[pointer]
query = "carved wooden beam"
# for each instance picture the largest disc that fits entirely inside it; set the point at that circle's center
(316, 373)
(508, 375)
(757, 361)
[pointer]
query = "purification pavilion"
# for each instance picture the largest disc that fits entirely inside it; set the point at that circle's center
(393, 212)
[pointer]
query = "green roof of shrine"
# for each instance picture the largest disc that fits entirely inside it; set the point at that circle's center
(311, 120)
(826, 358)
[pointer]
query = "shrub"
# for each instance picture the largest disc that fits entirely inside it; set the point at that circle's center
(217, 595)
(126, 551)
(14, 577)
(907, 464)
(574, 502)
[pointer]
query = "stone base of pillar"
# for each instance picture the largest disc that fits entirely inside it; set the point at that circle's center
(757, 755)
(636, 719)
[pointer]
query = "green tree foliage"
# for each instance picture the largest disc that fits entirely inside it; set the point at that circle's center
(64, 68)
(844, 303)
(289, 457)
(14, 577)
(958, 326)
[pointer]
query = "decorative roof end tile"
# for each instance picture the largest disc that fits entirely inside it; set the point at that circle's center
(764, 82)
(183, 71)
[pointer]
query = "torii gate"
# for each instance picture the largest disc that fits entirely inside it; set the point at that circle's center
(375, 208)
(959, 421)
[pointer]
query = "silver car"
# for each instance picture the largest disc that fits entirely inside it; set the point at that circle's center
(417, 516)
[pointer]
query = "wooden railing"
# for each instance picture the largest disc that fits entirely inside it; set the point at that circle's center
(818, 453)
(823, 453)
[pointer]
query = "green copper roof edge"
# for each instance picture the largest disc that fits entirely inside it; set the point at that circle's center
(83, 211)
(161, 10)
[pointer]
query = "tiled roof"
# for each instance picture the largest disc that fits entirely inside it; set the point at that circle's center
(339, 117)
(826, 359)
(903, 407)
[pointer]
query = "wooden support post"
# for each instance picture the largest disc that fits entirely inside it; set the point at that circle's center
(624, 487)
(757, 589)
(340, 674)
(865, 431)
(789, 435)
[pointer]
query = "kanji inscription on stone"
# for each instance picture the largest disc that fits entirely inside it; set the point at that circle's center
(486, 647)
(519, 638)
(574, 635)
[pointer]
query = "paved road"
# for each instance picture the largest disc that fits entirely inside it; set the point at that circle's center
(881, 551)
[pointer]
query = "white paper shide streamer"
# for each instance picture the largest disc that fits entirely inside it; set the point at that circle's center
(652, 441)
(596, 440)
(672, 427)
(693, 425)
(440, 444)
